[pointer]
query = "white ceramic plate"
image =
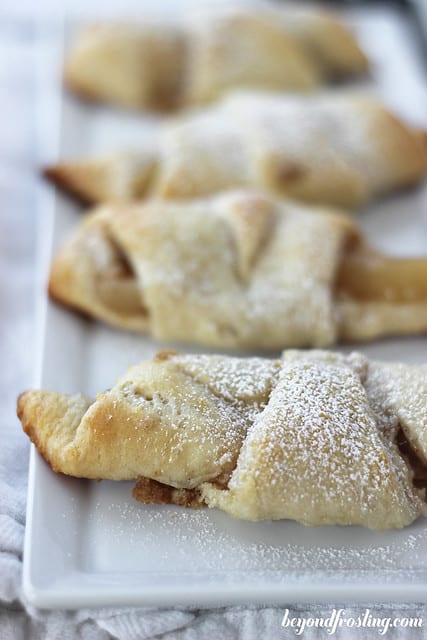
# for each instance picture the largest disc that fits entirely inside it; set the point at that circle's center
(90, 544)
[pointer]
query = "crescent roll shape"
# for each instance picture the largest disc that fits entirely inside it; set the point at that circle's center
(239, 270)
(160, 65)
(337, 148)
(315, 437)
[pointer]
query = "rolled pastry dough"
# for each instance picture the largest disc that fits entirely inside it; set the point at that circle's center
(239, 270)
(310, 437)
(166, 64)
(338, 148)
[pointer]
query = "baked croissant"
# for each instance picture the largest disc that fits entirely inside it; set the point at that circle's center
(238, 270)
(316, 437)
(160, 65)
(337, 148)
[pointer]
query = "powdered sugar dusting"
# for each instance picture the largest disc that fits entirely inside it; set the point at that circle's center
(165, 539)
(234, 379)
(187, 261)
(268, 439)
(316, 454)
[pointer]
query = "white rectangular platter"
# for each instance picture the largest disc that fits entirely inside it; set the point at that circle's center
(90, 544)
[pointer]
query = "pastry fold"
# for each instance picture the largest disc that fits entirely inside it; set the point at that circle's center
(164, 65)
(338, 148)
(315, 437)
(239, 270)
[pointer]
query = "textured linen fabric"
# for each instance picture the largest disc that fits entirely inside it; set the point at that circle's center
(20, 281)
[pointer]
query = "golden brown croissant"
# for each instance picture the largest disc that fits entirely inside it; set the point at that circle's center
(337, 149)
(158, 64)
(238, 270)
(311, 437)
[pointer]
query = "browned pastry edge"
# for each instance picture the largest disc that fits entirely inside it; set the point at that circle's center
(75, 88)
(80, 312)
(31, 432)
(57, 176)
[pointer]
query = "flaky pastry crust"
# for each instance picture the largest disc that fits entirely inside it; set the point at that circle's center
(238, 270)
(169, 64)
(337, 148)
(315, 436)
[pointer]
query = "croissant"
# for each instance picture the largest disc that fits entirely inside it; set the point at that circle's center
(161, 65)
(316, 437)
(336, 149)
(238, 270)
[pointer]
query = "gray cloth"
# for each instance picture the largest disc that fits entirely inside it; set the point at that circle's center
(19, 159)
